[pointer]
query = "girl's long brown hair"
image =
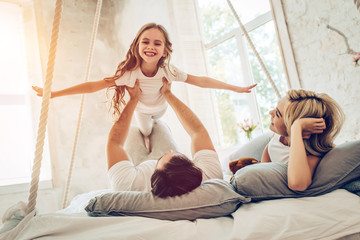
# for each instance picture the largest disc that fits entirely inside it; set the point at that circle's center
(132, 62)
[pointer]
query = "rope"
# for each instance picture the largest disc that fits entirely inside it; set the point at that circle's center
(44, 109)
(90, 57)
(254, 49)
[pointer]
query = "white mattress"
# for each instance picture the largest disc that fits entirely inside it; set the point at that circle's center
(329, 216)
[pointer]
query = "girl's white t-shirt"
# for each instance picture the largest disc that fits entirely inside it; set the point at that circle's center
(278, 152)
(151, 100)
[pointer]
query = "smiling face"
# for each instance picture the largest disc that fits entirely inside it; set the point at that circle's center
(277, 118)
(152, 46)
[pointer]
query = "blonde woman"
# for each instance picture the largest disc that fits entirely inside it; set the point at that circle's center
(147, 60)
(305, 125)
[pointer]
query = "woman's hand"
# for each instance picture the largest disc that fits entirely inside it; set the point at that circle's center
(310, 126)
(166, 88)
(134, 92)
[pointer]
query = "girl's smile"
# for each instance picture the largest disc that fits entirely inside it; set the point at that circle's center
(150, 54)
(152, 46)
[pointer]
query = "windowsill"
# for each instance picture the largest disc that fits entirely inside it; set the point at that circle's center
(223, 152)
(24, 187)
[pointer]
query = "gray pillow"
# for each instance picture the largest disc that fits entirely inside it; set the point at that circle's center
(269, 180)
(253, 149)
(353, 186)
(213, 198)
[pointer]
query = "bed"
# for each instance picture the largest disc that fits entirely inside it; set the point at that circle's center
(333, 214)
(330, 216)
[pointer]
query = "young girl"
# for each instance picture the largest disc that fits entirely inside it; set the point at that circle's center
(148, 61)
(305, 125)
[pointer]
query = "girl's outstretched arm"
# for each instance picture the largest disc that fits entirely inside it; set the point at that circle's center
(302, 166)
(207, 82)
(88, 87)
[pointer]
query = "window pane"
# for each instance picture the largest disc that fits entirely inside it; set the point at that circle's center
(250, 9)
(265, 41)
(225, 65)
(217, 18)
(12, 58)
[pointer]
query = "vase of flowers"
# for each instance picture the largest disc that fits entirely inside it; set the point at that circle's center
(247, 126)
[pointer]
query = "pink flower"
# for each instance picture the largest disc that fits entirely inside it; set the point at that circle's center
(356, 59)
(247, 126)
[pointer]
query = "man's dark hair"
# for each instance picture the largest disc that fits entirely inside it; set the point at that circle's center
(177, 177)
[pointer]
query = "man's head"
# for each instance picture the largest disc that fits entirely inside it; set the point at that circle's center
(174, 175)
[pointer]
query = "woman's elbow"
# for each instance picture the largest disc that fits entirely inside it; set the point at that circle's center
(298, 186)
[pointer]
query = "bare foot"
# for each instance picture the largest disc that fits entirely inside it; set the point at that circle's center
(147, 143)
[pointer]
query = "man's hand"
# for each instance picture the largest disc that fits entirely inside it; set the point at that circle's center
(134, 92)
(310, 126)
(166, 88)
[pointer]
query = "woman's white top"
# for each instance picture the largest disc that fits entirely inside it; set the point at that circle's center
(278, 152)
(151, 100)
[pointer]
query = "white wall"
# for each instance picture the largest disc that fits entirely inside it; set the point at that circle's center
(320, 53)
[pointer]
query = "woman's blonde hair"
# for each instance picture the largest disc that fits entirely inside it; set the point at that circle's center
(308, 104)
(132, 61)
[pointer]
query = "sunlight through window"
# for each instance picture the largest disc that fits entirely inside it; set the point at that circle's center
(16, 126)
(231, 59)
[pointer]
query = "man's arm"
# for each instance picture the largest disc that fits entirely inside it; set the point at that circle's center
(120, 129)
(200, 138)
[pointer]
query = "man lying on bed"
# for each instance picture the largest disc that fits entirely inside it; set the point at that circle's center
(173, 174)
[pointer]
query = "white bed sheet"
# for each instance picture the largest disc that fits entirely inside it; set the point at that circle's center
(329, 216)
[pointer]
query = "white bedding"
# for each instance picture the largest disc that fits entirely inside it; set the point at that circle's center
(329, 216)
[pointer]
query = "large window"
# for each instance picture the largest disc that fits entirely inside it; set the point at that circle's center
(17, 141)
(230, 59)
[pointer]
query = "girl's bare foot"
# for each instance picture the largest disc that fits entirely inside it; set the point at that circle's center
(147, 143)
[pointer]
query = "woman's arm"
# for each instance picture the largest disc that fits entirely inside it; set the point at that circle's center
(302, 166)
(88, 87)
(206, 82)
(265, 156)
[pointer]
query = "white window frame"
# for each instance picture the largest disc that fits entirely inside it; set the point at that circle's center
(284, 39)
(241, 44)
